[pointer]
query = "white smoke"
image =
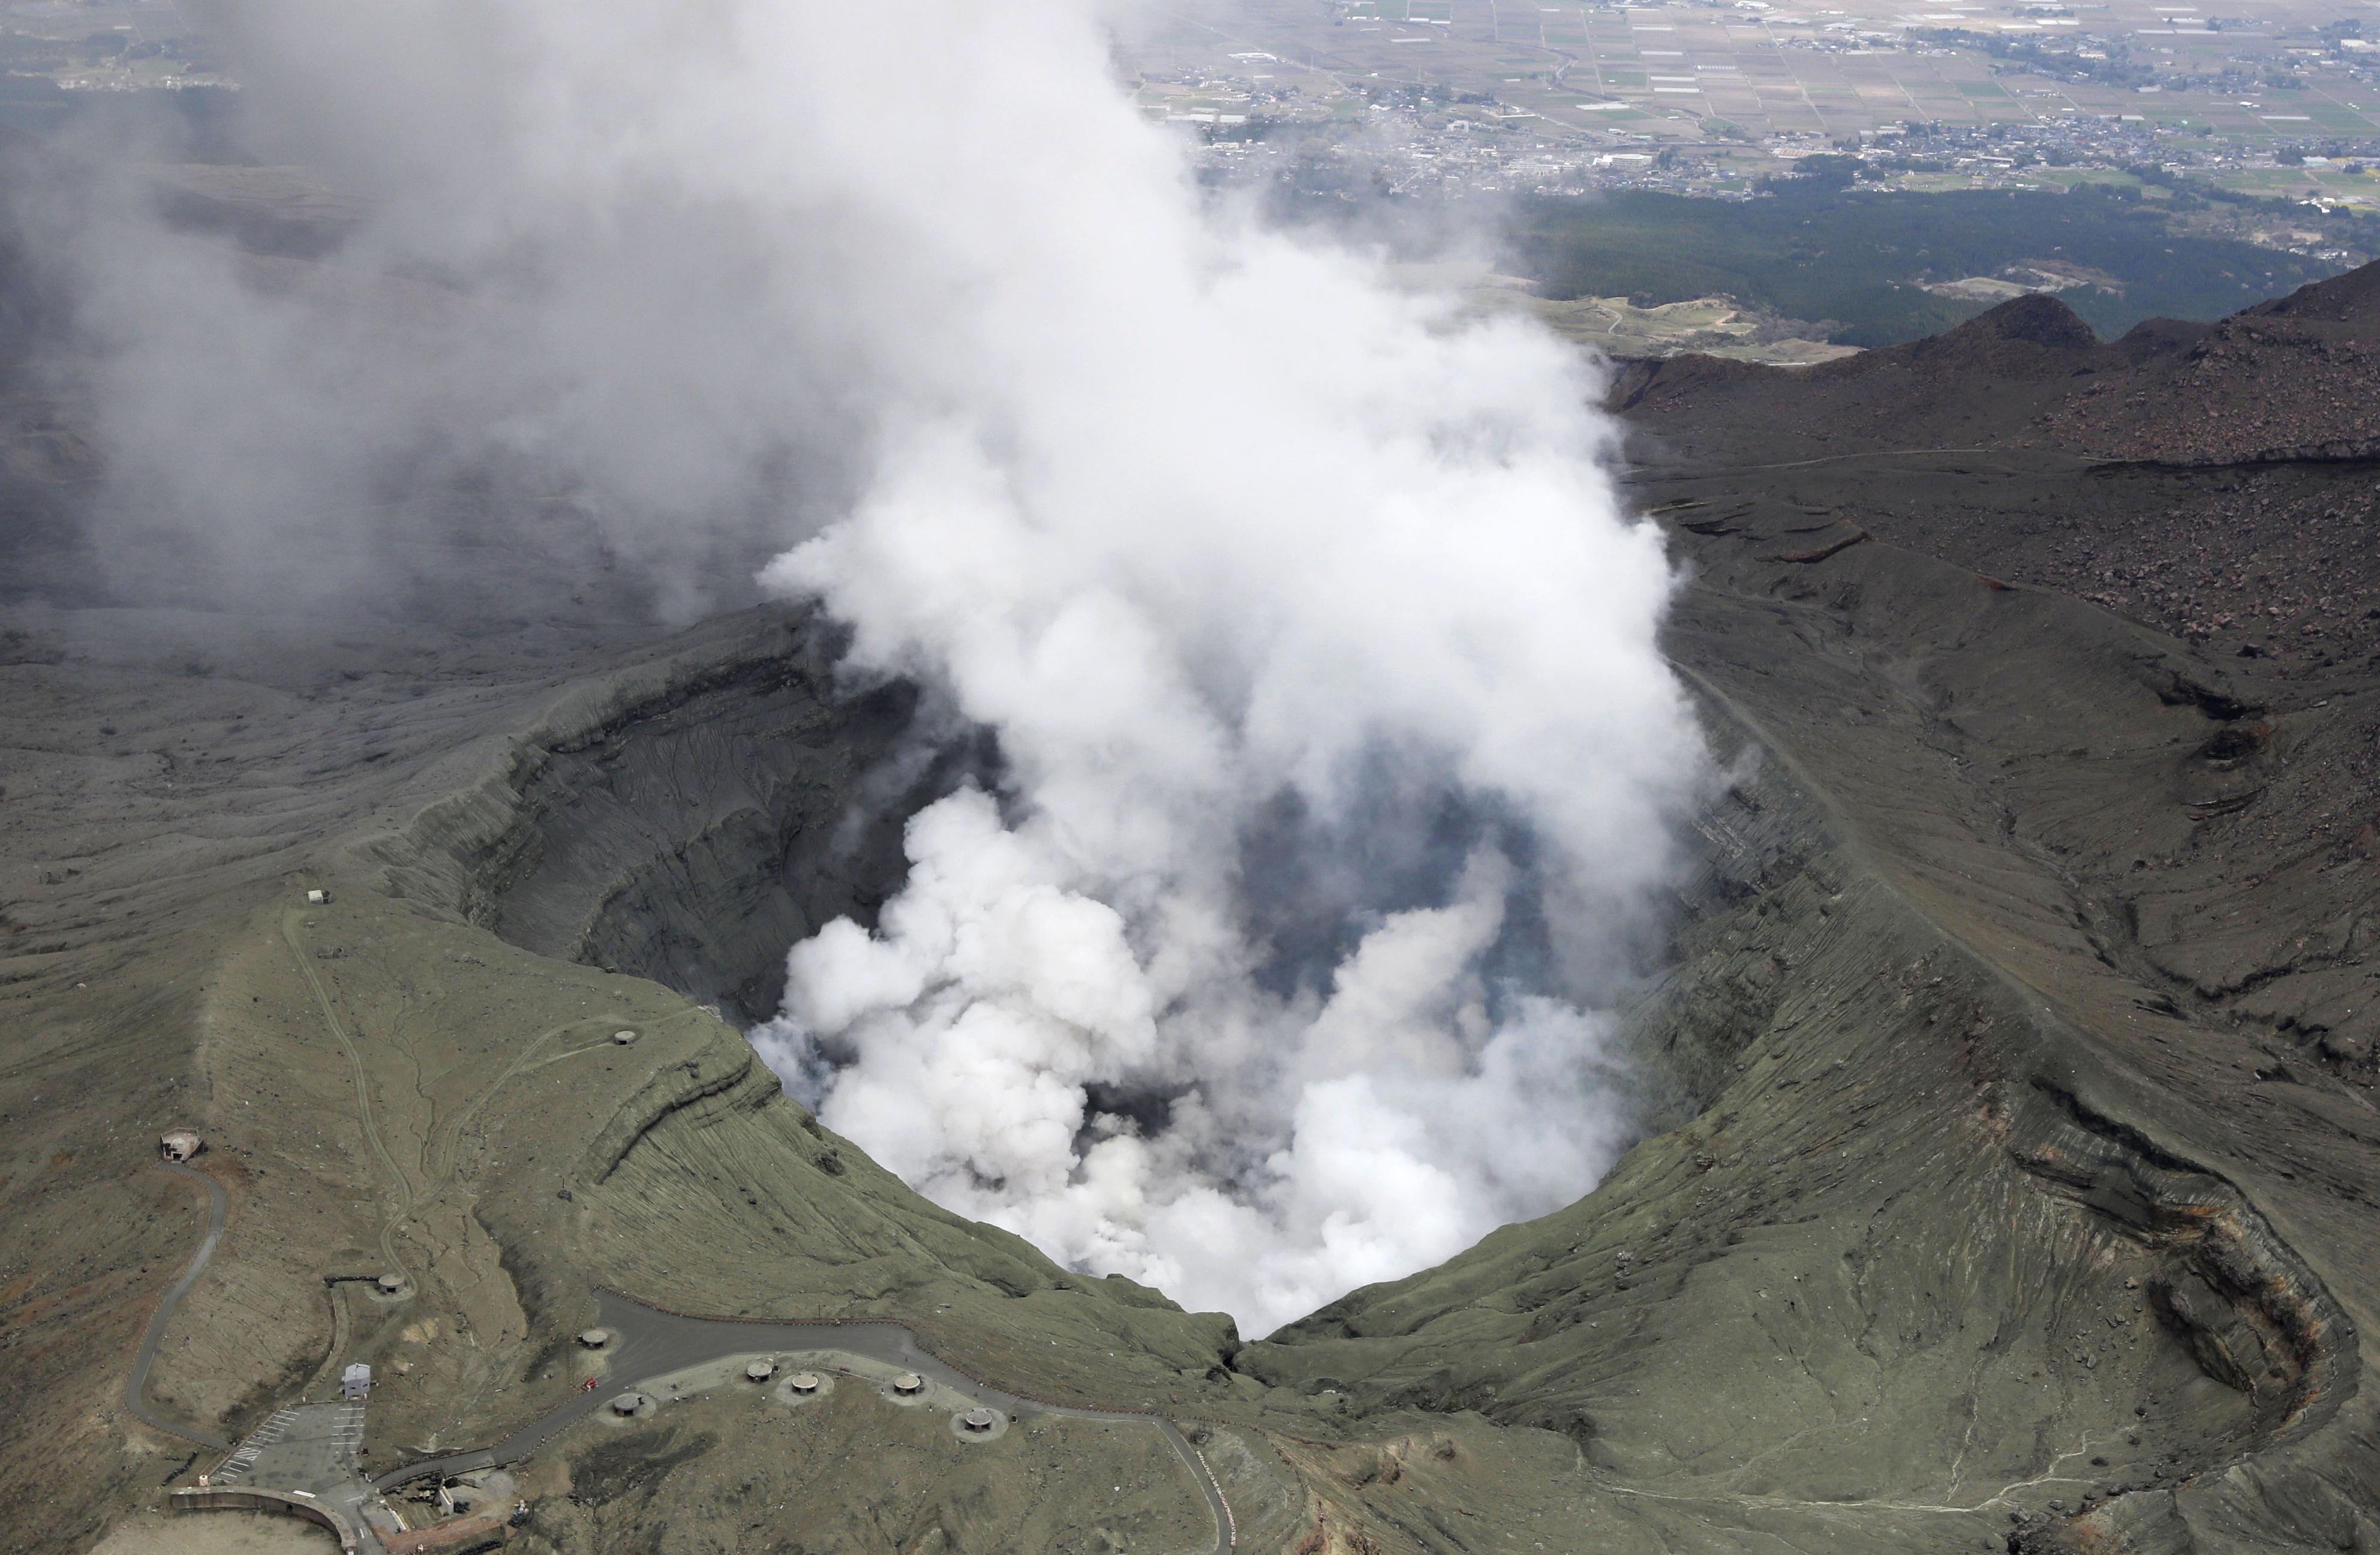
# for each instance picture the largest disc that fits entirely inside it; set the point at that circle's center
(1338, 758)
(1211, 526)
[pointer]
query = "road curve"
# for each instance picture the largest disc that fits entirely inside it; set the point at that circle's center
(653, 1343)
(1227, 1528)
(135, 1386)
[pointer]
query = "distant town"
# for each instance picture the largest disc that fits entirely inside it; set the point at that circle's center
(2278, 115)
(2262, 119)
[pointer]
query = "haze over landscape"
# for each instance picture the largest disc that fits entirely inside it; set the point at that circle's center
(788, 778)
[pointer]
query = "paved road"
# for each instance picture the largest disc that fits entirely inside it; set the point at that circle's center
(135, 1386)
(653, 1343)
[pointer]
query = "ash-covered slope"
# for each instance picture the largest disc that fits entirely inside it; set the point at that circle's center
(2289, 379)
(2211, 481)
(2036, 1177)
(2015, 1197)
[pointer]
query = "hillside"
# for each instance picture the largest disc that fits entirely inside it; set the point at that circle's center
(2011, 1150)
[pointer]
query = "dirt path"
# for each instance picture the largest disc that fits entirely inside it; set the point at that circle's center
(440, 1140)
(400, 1200)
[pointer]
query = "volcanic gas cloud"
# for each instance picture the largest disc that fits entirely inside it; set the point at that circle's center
(1338, 760)
(1338, 750)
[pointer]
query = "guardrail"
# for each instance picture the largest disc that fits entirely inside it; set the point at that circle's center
(221, 1498)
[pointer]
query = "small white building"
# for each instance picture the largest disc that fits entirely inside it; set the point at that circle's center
(180, 1144)
(356, 1381)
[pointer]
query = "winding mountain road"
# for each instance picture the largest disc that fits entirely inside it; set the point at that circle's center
(136, 1385)
(653, 1343)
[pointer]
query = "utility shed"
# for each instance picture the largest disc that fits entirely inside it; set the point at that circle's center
(356, 1381)
(180, 1144)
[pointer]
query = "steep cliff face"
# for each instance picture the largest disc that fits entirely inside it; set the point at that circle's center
(1971, 1235)
(691, 821)
(1947, 1225)
(1974, 1201)
(679, 822)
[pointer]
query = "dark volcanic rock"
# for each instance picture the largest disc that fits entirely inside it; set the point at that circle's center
(2288, 381)
(2154, 680)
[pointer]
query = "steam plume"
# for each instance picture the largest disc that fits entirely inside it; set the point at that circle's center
(1338, 754)
(1339, 749)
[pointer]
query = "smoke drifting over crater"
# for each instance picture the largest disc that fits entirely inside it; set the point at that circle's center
(1338, 752)
(1338, 758)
